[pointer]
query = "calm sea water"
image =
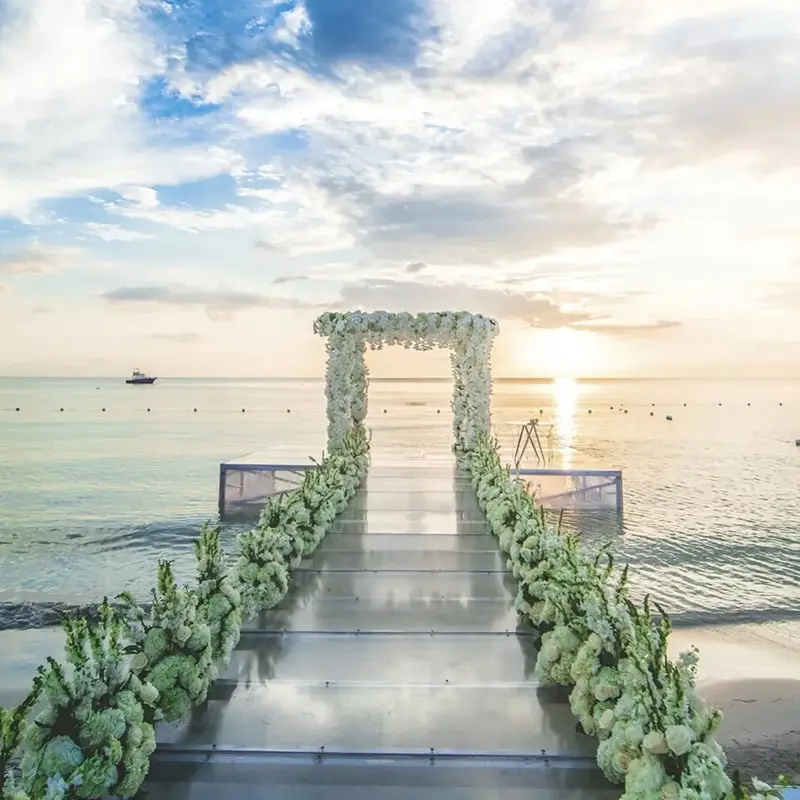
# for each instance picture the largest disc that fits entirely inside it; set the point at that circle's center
(90, 498)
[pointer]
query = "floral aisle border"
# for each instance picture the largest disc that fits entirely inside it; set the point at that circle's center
(126, 671)
(469, 336)
(656, 734)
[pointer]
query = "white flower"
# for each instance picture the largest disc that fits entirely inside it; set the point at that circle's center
(138, 662)
(655, 743)
(670, 791)
(679, 739)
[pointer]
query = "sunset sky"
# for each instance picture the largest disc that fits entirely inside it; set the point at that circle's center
(186, 184)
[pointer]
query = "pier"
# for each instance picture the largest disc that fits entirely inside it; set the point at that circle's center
(396, 665)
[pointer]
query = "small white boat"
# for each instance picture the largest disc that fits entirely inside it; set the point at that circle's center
(139, 378)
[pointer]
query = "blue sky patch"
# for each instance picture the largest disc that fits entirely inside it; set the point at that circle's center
(385, 32)
(158, 100)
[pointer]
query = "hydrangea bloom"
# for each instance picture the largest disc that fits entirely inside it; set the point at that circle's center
(92, 739)
(174, 645)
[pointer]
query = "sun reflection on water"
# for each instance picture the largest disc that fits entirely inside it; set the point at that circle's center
(565, 395)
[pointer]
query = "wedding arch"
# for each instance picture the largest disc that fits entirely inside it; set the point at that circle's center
(349, 334)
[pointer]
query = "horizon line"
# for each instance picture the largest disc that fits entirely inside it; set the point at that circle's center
(410, 379)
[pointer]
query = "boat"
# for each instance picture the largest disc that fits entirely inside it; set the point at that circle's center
(138, 377)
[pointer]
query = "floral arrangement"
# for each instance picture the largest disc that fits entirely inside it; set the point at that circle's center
(469, 337)
(92, 739)
(219, 602)
(291, 526)
(656, 735)
(13, 727)
(172, 645)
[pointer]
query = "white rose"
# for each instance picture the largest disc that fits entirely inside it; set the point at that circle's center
(138, 662)
(606, 721)
(670, 791)
(679, 739)
(183, 634)
(655, 743)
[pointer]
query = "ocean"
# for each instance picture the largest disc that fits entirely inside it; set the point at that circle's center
(98, 479)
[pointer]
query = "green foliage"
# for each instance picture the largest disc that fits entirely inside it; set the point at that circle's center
(13, 727)
(172, 645)
(92, 739)
(219, 602)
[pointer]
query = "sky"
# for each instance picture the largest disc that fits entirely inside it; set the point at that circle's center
(186, 184)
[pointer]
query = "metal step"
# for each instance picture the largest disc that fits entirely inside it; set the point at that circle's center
(242, 776)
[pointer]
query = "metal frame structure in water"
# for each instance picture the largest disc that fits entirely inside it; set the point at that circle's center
(276, 477)
(588, 490)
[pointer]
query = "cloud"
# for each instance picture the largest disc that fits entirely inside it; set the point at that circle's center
(281, 279)
(180, 338)
(143, 196)
(114, 233)
(39, 259)
(4, 288)
(534, 309)
(219, 303)
(417, 266)
(97, 54)
(628, 330)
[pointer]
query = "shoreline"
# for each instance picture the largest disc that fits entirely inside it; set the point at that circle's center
(752, 674)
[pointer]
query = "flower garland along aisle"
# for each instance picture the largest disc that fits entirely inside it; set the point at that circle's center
(656, 735)
(292, 526)
(93, 738)
(96, 734)
(469, 336)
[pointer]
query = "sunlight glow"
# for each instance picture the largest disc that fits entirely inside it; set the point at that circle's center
(565, 353)
(566, 392)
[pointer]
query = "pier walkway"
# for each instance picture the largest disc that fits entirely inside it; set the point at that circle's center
(395, 667)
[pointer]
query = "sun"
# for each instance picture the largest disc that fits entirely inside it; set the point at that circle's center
(564, 353)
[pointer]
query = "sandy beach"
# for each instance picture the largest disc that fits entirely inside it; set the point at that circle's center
(752, 673)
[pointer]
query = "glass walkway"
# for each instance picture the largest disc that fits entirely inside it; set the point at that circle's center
(395, 667)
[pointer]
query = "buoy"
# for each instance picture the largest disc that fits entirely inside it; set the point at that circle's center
(590, 410)
(797, 442)
(780, 404)
(438, 411)
(16, 409)
(748, 405)
(652, 405)
(652, 413)
(611, 408)
(103, 409)
(288, 410)
(242, 411)
(626, 410)
(148, 409)
(720, 404)
(60, 409)
(384, 410)
(669, 418)
(684, 405)
(194, 410)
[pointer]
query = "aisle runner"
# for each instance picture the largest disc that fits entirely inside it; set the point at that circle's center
(398, 641)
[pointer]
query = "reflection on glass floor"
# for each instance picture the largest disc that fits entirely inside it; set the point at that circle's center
(396, 660)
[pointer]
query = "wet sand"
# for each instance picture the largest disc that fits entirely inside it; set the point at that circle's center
(752, 673)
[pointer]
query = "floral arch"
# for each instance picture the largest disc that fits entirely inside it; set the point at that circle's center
(469, 337)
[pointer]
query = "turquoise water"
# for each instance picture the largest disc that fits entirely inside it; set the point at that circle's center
(711, 524)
